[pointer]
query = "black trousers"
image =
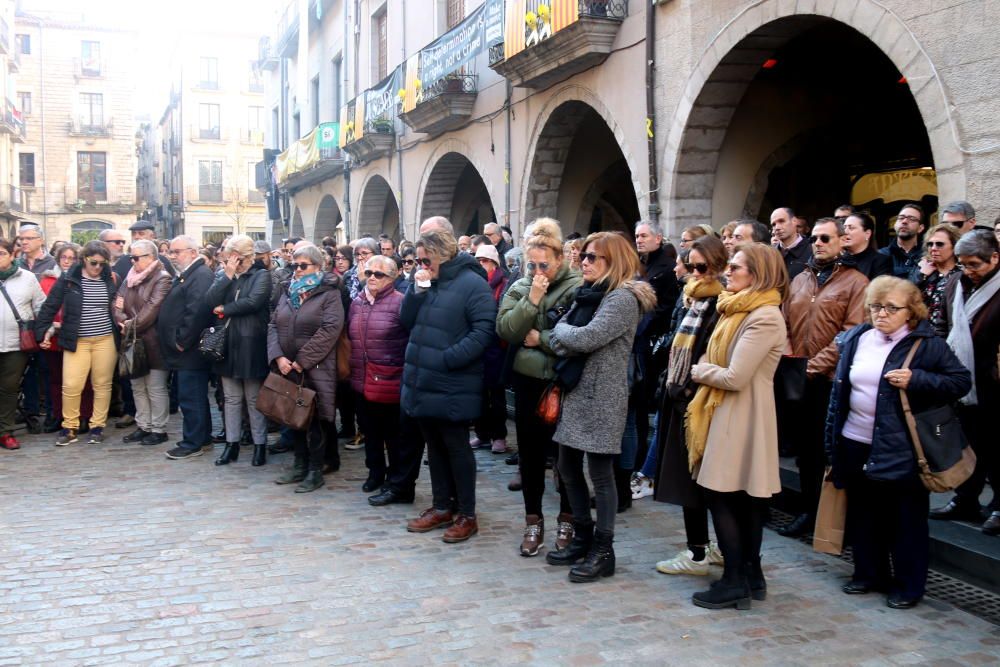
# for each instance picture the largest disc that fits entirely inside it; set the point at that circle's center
(739, 526)
(492, 422)
(887, 524)
(382, 437)
(402, 476)
(810, 425)
(12, 365)
(602, 474)
(534, 445)
(980, 429)
(318, 444)
(452, 463)
(346, 407)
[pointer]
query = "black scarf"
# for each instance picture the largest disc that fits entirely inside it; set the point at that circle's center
(588, 299)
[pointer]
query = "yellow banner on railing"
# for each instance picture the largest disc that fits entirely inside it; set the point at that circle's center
(307, 151)
(529, 22)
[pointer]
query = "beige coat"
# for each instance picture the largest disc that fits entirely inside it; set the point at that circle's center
(741, 453)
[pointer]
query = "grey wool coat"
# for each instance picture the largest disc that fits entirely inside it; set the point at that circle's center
(594, 412)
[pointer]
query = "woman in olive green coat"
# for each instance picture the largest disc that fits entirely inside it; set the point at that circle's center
(529, 310)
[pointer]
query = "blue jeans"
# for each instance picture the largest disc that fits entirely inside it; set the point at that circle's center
(192, 394)
(649, 467)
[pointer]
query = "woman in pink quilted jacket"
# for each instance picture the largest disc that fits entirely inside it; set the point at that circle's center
(378, 344)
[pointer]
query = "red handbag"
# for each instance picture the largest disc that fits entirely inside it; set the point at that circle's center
(382, 382)
(550, 404)
(26, 330)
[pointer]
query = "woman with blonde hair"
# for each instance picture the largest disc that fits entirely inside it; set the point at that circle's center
(528, 312)
(938, 268)
(595, 339)
(737, 466)
(726, 234)
(690, 234)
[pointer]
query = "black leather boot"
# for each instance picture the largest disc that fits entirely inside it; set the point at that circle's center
(259, 455)
(755, 578)
(600, 560)
(230, 453)
(730, 591)
(624, 488)
(296, 473)
(583, 539)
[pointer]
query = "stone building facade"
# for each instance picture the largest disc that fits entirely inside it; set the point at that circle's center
(801, 103)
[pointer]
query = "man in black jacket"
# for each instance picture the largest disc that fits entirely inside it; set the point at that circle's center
(183, 315)
(795, 249)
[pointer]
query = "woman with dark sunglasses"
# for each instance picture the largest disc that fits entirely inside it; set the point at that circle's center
(936, 271)
(88, 336)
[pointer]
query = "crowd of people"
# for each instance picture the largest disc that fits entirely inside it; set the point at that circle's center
(656, 365)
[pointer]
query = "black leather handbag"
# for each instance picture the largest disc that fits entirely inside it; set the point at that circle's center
(790, 379)
(213, 342)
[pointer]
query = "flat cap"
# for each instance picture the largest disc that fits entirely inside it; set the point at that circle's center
(142, 225)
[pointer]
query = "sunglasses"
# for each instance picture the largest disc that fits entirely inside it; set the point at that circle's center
(375, 274)
(591, 257)
(136, 258)
(824, 238)
(96, 262)
(117, 241)
(534, 266)
(407, 262)
(935, 244)
(700, 267)
(301, 266)
(426, 261)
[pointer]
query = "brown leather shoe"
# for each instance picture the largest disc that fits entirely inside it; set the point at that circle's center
(534, 535)
(564, 531)
(463, 528)
(430, 519)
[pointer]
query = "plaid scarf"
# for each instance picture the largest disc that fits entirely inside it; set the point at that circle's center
(697, 298)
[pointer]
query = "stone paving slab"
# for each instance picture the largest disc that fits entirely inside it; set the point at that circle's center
(113, 554)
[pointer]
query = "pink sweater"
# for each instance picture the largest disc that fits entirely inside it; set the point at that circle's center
(866, 373)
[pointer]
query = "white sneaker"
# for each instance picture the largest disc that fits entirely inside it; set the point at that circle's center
(713, 555)
(643, 488)
(683, 563)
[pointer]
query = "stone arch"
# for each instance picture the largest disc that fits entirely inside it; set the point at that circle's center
(378, 211)
(729, 63)
(549, 148)
(429, 186)
(297, 230)
(328, 216)
(455, 189)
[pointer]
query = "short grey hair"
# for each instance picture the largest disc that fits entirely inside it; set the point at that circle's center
(492, 228)
(654, 227)
(148, 245)
(105, 233)
(386, 263)
(981, 243)
(31, 227)
(437, 222)
(190, 241)
(514, 256)
(310, 252)
(960, 207)
(369, 243)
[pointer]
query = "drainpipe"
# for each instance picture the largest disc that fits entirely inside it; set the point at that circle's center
(345, 62)
(347, 198)
(41, 90)
(506, 157)
(399, 135)
(654, 195)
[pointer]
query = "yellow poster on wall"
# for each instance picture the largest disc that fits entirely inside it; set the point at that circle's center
(530, 22)
(412, 85)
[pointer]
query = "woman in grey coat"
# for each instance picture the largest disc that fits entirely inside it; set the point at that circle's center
(595, 337)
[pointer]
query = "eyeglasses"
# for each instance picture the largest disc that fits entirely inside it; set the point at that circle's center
(823, 238)
(590, 257)
(301, 266)
(363, 253)
(700, 267)
(534, 266)
(890, 309)
(935, 244)
(28, 238)
(375, 274)
(907, 218)
(96, 262)
(341, 258)
(136, 258)
(425, 261)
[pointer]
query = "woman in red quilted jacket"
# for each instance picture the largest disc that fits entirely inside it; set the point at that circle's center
(378, 344)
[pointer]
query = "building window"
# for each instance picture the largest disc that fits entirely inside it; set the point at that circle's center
(210, 180)
(209, 73)
(380, 38)
(24, 102)
(275, 128)
(23, 44)
(314, 102)
(296, 126)
(337, 81)
(255, 125)
(456, 12)
(256, 84)
(90, 58)
(91, 176)
(208, 123)
(254, 196)
(27, 168)
(91, 111)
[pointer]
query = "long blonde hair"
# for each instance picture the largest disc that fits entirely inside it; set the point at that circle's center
(620, 255)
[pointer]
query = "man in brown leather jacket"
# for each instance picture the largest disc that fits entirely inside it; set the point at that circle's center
(824, 300)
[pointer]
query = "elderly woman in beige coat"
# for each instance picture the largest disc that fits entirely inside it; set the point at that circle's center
(732, 429)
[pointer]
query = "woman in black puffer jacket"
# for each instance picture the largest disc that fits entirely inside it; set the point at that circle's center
(240, 298)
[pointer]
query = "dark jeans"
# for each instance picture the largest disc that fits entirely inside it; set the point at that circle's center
(534, 445)
(492, 423)
(128, 398)
(887, 523)
(346, 407)
(452, 463)
(602, 474)
(739, 527)
(403, 477)
(54, 361)
(381, 436)
(12, 365)
(192, 394)
(810, 426)
(173, 391)
(980, 428)
(33, 401)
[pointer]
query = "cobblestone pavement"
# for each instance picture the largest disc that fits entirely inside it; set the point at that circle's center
(113, 554)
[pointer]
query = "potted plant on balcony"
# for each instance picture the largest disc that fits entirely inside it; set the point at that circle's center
(382, 126)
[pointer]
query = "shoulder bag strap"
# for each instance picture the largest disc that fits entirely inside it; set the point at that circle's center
(911, 423)
(17, 315)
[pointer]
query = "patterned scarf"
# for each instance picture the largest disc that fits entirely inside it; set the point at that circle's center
(301, 286)
(733, 309)
(697, 299)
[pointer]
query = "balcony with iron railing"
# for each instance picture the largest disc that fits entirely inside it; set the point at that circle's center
(371, 138)
(90, 126)
(267, 58)
(4, 37)
(89, 69)
(14, 62)
(212, 134)
(443, 105)
(94, 198)
(310, 160)
(15, 200)
(252, 137)
(287, 33)
(208, 193)
(548, 54)
(12, 122)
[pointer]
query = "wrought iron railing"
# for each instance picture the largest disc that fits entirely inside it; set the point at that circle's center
(453, 83)
(612, 9)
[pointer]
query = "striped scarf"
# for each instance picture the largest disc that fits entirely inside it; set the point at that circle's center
(697, 299)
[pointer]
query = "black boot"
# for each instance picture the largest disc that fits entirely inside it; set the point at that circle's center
(296, 473)
(331, 452)
(259, 455)
(755, 578)
(600, 560)
(730, 591)
(313, 481)
(799, 526)
(623, 485)
(583, 539)
(230, 453)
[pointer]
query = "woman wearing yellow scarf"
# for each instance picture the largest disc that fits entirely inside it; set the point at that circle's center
(731, 426)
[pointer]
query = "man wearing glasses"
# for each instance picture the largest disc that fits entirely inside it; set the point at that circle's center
(828, 297)
(114, 241)
(34, 256)
(959, 214)
(905, 249)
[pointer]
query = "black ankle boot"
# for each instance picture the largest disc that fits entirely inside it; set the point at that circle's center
(313, 481)
(583, 539)
(259, 455)
(734, 592)
(755, 578)
(230, 453)
(600, 560)
(624, 488)
(296, 473)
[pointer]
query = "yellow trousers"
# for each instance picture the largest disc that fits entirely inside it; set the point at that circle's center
(95, 356)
